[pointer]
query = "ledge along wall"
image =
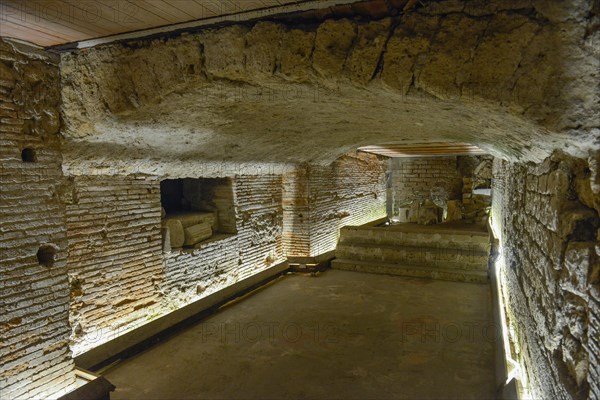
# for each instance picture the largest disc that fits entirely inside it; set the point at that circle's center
(120, 278)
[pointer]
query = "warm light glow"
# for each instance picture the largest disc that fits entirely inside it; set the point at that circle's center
(498, 267)
(96, 336)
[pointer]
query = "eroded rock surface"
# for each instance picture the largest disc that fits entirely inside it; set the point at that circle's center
(513, 77)
(549, 215)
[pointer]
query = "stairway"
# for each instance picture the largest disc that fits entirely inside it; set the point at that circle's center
(435, 251)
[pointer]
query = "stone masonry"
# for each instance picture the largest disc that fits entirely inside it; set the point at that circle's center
(413, 176)
(115, 244)
(115, 247)
(34, 290)
(550, 239)
(278, 107)
(318, 201)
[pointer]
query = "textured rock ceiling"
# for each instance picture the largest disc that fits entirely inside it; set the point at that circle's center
(508, 81)
(293, 122)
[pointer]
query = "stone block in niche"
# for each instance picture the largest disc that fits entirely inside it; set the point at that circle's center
(175, 232)
(194, 218)
(197, 233)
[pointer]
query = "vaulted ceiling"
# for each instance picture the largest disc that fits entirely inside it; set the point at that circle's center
(329, 76)
(304, 89)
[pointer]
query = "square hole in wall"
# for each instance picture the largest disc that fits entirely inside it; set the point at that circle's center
(196, 210)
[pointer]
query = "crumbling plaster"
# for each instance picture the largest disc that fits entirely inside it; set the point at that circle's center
(516, 78)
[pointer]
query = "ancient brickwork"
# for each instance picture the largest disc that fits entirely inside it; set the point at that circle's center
(118, 273)
(418, 176)
(296, 212)
(351, 191)
(499, 180)
(259, 212)
(319, 200)
(550, 222)
(34, 326)
(115, 254)
(192, 274)
(225, 259)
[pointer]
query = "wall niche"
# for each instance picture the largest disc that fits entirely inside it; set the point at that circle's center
(196, 210)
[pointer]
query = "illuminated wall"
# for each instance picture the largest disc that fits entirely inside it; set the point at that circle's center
(547, 217)
(319, 200)
(34, 292)
(121, 278)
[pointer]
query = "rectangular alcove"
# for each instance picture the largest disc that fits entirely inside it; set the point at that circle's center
(196, 211)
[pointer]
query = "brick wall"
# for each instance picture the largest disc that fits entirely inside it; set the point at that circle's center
(119, 276)
(115, 255)
(417, 176)
(350, 191)
(34, 326)
(319, 200)
(260, 222)
(549, 226)
(296, 212)
(499, 180)
(190, 275)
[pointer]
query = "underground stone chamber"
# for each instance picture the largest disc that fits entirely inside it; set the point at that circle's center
(244, 137)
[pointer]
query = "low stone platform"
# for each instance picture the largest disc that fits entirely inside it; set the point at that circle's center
(452, 252)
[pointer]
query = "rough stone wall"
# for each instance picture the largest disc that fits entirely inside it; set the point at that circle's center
(515, 77)
(34, 325)
(412, 176)
(551, 278)
(119, 276)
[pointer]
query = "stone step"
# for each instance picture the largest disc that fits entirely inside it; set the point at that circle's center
(446, 274)
(449, 258)
(415, 237)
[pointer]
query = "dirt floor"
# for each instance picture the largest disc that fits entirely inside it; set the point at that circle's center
(340, 335)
